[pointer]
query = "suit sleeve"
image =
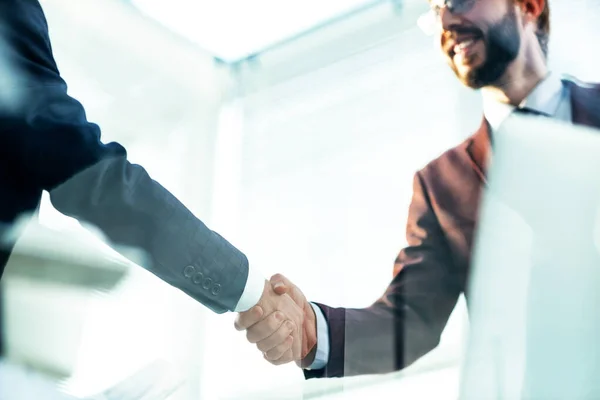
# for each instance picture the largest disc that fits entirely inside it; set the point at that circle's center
(49, 145)
(408, 320)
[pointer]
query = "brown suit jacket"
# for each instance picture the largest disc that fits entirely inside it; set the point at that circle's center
(431, 273)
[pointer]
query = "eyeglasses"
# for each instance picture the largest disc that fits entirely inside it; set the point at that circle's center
(430, 21)
(454, 6)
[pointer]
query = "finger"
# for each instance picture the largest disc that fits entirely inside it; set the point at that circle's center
(279, 336)
(276, 354)
(280, 284)
(265, 328)
(297, 345)
(286, 358)
(280, 288)
(246, 319)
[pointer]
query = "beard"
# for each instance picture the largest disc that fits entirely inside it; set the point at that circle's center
(502, 43)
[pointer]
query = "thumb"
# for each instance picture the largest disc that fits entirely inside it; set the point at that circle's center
(281, 285)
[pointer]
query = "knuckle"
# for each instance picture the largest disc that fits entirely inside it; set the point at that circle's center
(273, 340)
(241, 326)
(290, 326)
(270, 355)
(275, 321)
(250, 336)
(284, 359)
(276, 352)
(239, 321)
(262, 346)
(275, 362)
(278, 362)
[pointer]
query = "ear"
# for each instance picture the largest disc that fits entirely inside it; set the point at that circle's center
(532, 9)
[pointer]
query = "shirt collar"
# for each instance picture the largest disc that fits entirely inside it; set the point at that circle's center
(545, 98)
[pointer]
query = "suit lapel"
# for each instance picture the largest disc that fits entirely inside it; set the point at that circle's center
(585, 104)
(479, 149)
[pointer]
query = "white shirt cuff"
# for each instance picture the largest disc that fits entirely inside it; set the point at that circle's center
(322, 355)
(255, 285)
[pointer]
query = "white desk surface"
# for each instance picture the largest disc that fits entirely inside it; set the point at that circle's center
(439, 384)
(153, 382)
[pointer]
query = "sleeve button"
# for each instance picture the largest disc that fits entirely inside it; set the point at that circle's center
(216, 289)
(198, 278)
(189, 271)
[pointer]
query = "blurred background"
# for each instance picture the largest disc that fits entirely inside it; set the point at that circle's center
(293, 128)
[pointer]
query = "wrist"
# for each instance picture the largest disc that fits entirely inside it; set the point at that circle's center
(310, 335)
(266, 297)
(307, 361)
(254, 291)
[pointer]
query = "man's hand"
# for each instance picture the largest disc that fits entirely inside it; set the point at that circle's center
(305, 339)
(274, 325)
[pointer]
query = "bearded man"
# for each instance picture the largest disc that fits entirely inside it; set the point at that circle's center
(499, 47)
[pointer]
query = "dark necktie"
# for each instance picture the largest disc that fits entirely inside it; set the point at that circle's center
(522, 111)
(529, 111)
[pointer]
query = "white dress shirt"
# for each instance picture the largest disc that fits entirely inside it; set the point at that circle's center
(255, 285)
(550, 97)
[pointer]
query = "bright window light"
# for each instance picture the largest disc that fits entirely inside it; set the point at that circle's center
(235, 29)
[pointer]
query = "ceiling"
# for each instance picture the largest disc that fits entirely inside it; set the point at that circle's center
(232, 30)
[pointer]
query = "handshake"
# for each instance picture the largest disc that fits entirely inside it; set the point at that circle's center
(282, 324)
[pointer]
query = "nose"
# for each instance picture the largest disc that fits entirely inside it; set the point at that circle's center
(448, 19)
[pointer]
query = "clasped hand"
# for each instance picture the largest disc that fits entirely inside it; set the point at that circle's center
(282, 324)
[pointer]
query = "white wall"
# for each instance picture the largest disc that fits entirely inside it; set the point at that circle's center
(574, 38)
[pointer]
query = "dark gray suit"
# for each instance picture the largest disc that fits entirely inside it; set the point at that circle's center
(48, 144)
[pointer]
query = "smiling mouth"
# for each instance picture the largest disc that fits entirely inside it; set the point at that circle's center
(463, 46)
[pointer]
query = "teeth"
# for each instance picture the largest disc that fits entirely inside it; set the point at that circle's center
(465, 44)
